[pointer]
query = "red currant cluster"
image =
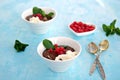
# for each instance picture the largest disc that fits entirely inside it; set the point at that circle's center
(80, 27)
(38, 15)
(58, 50)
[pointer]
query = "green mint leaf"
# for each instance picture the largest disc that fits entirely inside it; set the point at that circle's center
(35, 10)
(117, 31)
(48, 44)
(49, 15)
(43, 13)
(112, 27)
(108, 32)
(19, 46)
(112, 24)
(105, 27)
(112, 31)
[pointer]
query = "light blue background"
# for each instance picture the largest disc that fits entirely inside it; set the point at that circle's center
(27, 65)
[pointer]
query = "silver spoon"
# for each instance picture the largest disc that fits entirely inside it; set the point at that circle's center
(92, 48)
(102, 46)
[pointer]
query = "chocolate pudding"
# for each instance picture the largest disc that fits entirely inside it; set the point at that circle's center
(42, 19)
(28, 17)
(52, 54)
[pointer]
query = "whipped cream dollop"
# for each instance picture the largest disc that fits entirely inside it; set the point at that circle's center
(34, 20)
(69, 54)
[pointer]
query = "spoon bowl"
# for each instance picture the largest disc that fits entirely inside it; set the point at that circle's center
(92, 48)
(103, 45)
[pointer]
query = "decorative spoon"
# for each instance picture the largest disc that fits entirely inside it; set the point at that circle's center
(102, 46)
(92, 48)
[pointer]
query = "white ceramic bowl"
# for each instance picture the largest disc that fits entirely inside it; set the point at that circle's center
(83, 33)
(60, 66)
(41, 27)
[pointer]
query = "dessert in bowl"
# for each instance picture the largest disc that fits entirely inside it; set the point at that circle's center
(39, 18)
(58, 53)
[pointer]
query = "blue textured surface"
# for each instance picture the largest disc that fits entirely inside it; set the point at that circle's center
(27, 65)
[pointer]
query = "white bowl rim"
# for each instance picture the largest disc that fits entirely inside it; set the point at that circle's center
(83, 33)
(22, 15)
(64, 60)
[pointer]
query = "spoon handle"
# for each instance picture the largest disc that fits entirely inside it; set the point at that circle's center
(93, 67)
(101, 69)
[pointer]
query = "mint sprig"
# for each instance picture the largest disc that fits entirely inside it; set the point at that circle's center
(19, 46)
(37, 10)
(111, 29)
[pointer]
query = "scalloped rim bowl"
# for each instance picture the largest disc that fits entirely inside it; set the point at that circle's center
(83, 33)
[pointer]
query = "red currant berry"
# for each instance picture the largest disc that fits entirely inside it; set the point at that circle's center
(39, 16)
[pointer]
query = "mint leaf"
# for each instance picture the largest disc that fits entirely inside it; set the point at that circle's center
(42, 12)
(105, 27)
(49, 15)
(112, 31)
(19, 46)
(37, 10)
(48, 44)
(108, 33)
(112, 24)
(117, 31)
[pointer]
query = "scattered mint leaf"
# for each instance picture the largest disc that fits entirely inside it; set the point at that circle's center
(48, 44)
(19, 46)
(105, 28)
(112, 24)
(117, 31)
(108, 33)
(110, 29)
